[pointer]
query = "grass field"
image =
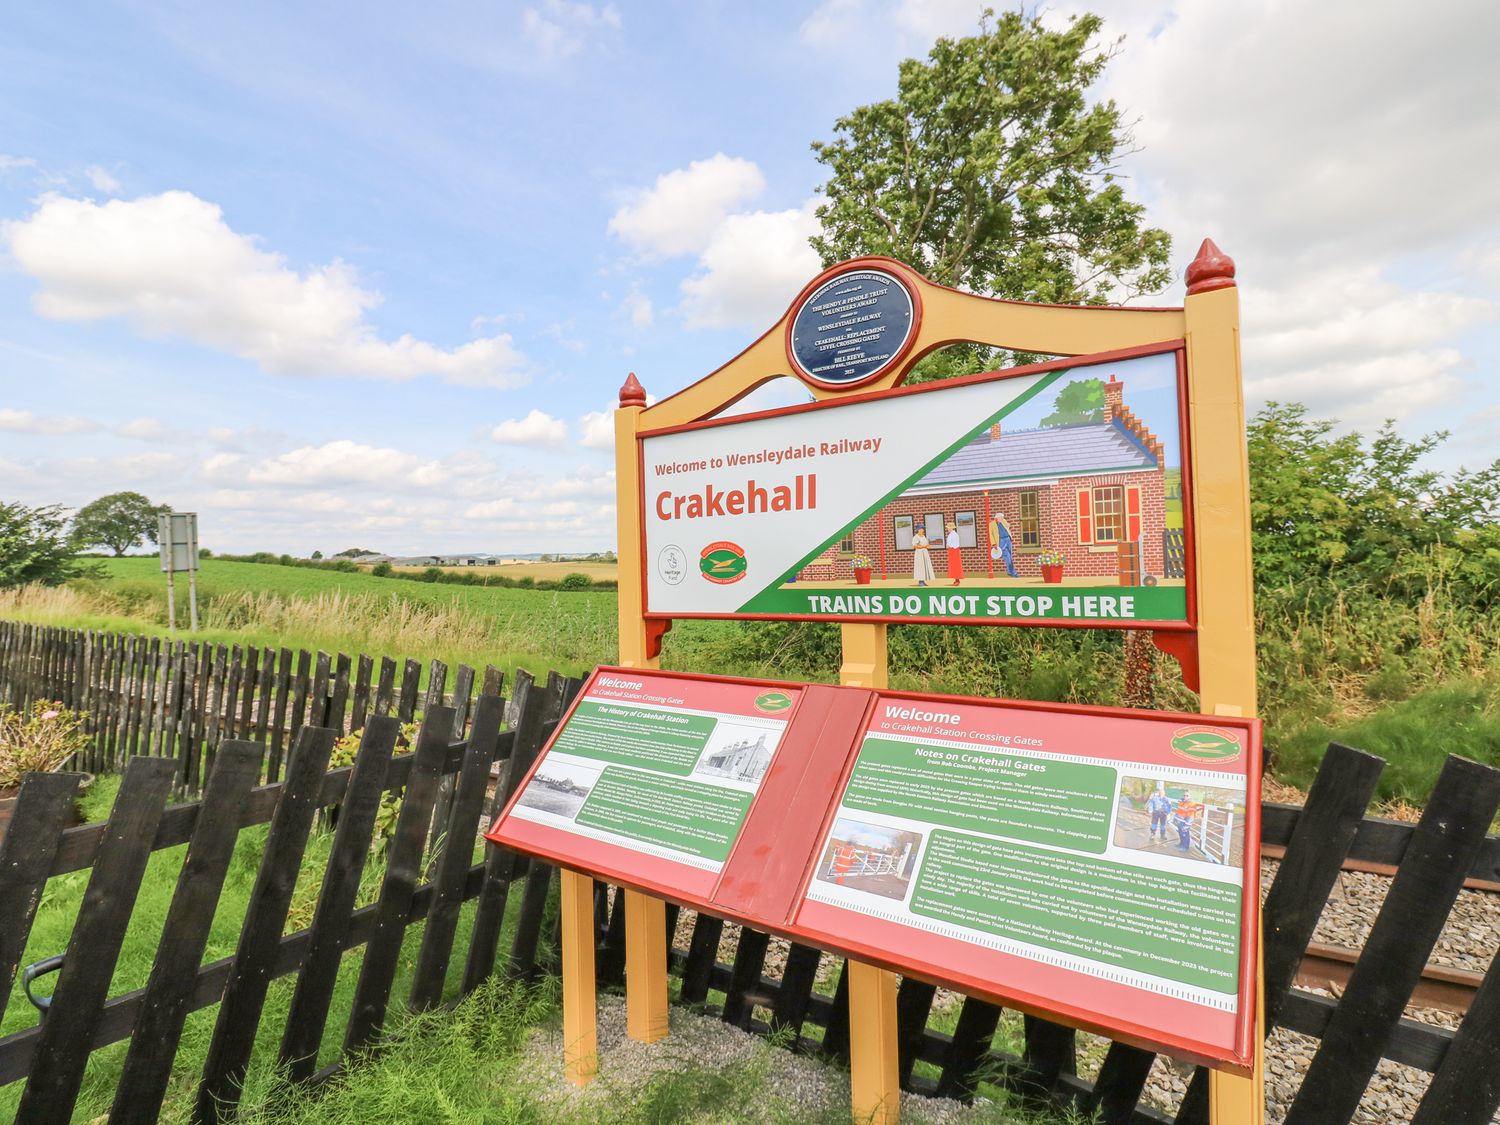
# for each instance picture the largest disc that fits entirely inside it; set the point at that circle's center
(1386, 679)
(540, 571)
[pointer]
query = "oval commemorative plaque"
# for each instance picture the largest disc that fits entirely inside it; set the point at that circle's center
(851, 327)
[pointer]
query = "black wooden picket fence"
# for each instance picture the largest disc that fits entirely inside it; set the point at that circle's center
(183, 699)
(445, 782)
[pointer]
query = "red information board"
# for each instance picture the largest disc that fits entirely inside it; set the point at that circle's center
(1094, 864)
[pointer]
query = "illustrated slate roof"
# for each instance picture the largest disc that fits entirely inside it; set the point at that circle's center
(1047, 452)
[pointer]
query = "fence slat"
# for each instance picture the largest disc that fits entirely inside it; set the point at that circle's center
(913, 1004)
(260, 938)
(977, 1020)
(158, 1027)
(385, 687)
(1466, 1088)
(361, 692)
(26, 851)
(1315, 853)
(94, 945)
(279, 720)
(501, 864)
(744, 981)
(265, 689)
(794, 997)
(703, 952)
(403, 862)
(330, 927)
(610, 964)
(457, 853)
(411, 680)
(1447, 839)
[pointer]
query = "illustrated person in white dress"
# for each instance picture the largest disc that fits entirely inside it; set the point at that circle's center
(921, 558)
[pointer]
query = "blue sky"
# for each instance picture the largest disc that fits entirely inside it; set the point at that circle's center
(368, 275)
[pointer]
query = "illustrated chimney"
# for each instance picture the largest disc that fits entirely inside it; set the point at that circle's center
(1114, 391)
(995, 432)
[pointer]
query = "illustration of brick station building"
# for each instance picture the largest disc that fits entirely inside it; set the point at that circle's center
(1093, 491)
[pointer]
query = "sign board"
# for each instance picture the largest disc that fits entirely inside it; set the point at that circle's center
(1094, 864)
(177, 537)
(1048, 495)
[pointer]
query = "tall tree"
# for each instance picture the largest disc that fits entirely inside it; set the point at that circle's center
(34, 547)
(1080, 400)
(991, 170)
(118, 521)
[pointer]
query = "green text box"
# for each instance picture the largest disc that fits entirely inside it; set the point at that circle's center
(631, 735)
(1168, 925)
(1044, 801)
(701, 820)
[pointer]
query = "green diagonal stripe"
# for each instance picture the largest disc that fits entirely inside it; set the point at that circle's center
(1043, 382)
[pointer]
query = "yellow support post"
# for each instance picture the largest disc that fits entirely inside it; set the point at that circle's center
(580, 1032)
(874, 1070)
(874, 1055)
(645, 967)
(645, 917)
(1226, 603)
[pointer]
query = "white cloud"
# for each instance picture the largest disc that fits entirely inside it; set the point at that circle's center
(172, 266)
(146, 429)
(340, 462)
(909, 25)
(752, 268)
(638, 307)
(25, 422)
(560, 28)
(681, 211)
(318, 502)
(493, 509)
(101, 179)
(15, 163)
(598, 430)
(537, 428)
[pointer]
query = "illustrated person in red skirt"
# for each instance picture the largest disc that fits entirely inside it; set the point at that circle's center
(955, 556)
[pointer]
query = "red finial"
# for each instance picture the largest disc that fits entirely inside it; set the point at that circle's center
(632, 393)
(1211, 269)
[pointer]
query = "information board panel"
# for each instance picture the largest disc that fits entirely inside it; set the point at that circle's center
(1053, 494)
(1094, 863)
(655, 771)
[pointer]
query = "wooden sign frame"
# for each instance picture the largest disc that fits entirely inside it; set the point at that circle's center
(1217, 657)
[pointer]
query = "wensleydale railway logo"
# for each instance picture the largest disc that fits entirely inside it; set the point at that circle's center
(722, 562)
(773, 701)
(1205, 744)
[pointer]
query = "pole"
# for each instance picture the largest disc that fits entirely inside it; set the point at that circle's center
(874, 1055)
(988, 520)
(171, 603)
(880, 527)
(193, 598)
(1226, 603)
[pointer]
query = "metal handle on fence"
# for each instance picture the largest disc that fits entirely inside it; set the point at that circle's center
(42, 1004)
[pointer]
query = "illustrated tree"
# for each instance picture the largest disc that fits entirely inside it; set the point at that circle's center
(34, 546)
(992, 170)
(1078, 402)
(118, 521)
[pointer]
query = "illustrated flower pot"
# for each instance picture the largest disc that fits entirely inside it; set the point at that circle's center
(1052, 573)
(862, 577)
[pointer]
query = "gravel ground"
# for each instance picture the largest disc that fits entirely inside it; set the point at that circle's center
(1469, 941)
(795, 1088)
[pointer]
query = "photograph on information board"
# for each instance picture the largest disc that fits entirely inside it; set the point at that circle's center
(1049, 497)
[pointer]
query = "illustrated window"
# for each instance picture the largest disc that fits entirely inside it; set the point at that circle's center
(1109, 513)
(936, 531)
(1028, 527)
(902, 525)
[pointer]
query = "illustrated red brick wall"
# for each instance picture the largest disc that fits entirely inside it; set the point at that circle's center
(1057, 517)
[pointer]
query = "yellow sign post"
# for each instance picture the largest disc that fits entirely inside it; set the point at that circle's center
(1218, 656)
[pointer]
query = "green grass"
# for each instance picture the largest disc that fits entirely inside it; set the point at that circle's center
(59, 910)
(470, 1065)
(1414, 735)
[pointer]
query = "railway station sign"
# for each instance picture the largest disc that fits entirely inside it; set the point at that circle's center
(1089, 863)
(1055, 494)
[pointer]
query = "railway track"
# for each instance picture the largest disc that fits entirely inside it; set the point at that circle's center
(1328, 966)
